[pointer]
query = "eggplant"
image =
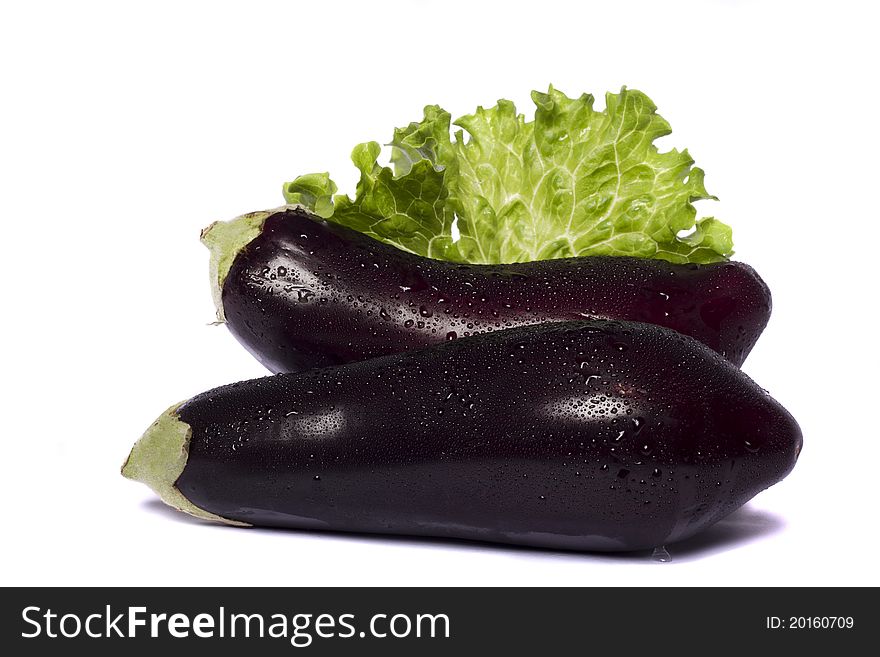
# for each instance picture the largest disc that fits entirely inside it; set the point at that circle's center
(300, 292)
(594, 435)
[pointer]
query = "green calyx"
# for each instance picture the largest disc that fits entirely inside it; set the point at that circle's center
(225, 240)
(158, 460)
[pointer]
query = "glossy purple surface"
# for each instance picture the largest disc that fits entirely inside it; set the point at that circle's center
(578, 435)
(308, 293)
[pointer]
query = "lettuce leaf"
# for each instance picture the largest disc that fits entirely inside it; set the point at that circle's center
(574, 181)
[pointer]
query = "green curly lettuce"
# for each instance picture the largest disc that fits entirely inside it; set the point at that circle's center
(572, 182)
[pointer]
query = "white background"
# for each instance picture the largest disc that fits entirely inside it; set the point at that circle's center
(127, 127)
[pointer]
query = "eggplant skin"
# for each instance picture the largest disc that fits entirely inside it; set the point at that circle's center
(596, 435)
(309, 293)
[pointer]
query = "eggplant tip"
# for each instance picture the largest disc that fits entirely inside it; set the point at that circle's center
(225, 240)
(158, 459)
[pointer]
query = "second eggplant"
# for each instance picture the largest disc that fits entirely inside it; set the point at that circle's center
(300, 292)
(576, 435)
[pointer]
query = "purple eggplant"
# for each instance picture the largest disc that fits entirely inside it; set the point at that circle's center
(593, 435)
(299, 292)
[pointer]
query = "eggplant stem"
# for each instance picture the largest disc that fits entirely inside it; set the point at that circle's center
(158, 459)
